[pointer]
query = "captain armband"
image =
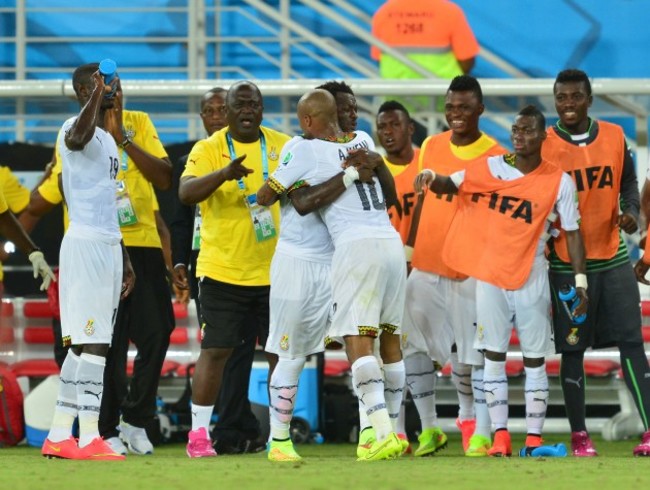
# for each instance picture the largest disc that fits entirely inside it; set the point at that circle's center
(275, 185)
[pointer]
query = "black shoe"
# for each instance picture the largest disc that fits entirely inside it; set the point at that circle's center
(239, 447)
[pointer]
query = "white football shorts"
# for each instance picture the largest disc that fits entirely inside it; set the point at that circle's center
(300, 306)
(528, 309)
(368, 287)
(440, 312)
(90, 283)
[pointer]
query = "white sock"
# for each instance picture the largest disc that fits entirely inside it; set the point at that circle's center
(461, 376)
(401, 419)
(282, 392)
(66, 409)
(421, 382)
(90, 387)
(536, 388)
(369, 386)
(495, 384)
(394, 380)
(201, 415)
(480, 405)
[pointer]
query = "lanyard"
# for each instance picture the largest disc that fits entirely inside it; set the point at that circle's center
(265, 160)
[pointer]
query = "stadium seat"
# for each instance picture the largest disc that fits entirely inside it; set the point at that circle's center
(6, 335)
(336, 367)
(594, 368)
(645, 308)
(6, 308)
(180, 310)
(38, 335)
(37, 309)
(35, 368)
(179, 336)
(514, 338)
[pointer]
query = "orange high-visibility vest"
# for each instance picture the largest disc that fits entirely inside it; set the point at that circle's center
(438, 209)
(496, 229)
(404, 176)
(596, 169)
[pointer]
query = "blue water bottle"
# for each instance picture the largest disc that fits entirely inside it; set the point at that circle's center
(571, 301)
(108, 69)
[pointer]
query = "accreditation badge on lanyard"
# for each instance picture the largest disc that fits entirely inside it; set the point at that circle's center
(125, 212)
(261, 216)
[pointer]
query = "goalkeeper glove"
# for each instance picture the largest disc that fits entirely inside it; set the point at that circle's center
(41, 269)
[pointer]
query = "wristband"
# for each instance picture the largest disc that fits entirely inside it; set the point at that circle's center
(581, 281)
(431, 172)
(408, 252)
(125, 143)
(350, 174)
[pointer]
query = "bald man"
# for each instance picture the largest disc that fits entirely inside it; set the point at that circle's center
(328, 169)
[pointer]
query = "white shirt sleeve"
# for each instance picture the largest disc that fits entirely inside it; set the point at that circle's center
(567, 204)
(298, 162)
(458, 177)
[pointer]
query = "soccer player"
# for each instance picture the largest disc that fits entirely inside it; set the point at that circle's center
(346, 104)
(300, 269)
(394, 130)
(238, 237)
(95, 271)
(440, 314)
(596, 156)
(519, 195)
(368, 271)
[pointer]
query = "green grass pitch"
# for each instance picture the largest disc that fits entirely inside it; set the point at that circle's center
(331, 467)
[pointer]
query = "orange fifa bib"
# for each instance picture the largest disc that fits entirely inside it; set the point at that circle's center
(438, 209)
(495, 232)
(596, 169)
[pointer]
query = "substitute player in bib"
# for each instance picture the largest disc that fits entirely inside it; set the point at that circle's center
(94, 272)
(394, 130)
(596, 156)
(440, 313)
(368, 273)
(506, 205)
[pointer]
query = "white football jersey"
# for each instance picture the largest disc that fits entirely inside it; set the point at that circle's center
(88, 178)
(566, 203)
(304, 237)
(360, 212)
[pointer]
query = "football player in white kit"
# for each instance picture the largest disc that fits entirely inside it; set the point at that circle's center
(94, 272)
(507, 204)
(368, 267)
(300, 299)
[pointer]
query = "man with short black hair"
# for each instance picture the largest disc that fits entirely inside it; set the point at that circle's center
(440, 314)
(596, 155)
(520, 195)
